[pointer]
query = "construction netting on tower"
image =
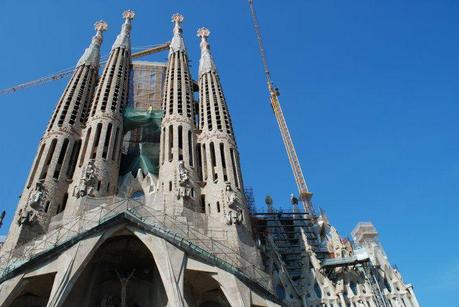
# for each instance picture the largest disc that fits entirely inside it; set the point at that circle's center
(142, 118)
(146, 85)
(143, 150)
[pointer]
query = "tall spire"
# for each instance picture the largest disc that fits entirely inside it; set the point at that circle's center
(124, 38)
(103, 133)
(177, 43)
(206, 63)
(91, 55)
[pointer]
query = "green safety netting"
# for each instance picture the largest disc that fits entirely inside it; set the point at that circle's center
(142, 118)
(143, 147)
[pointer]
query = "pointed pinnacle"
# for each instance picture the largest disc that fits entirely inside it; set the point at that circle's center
(177, 18)
(128, 15)
(203, 32)
(101, 26)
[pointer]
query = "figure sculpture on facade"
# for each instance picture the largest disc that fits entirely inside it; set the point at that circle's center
(124, 281)
(184, 190)
(234, 214)
(234, 217)
(36, 197)
(33, 208)
(88, 182)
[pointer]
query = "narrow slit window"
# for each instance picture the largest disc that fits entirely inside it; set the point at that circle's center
(180, 143)
(49, 156)
(115, 146)
(204, 161)
(60, 160)
(64, 203)
(73, 159)
(222, 157)
(37, 162)
(171, 143)
(163, 135)
(83, 153)
(96, 141)
(107, 141)
(203, 203)
(198, 152)
(233, 164)
(213, 162)
(190, 147)
(218, 207)
(46, 206)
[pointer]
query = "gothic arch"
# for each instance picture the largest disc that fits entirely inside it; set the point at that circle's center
(33, 291)
(202, 290)
(122, 259)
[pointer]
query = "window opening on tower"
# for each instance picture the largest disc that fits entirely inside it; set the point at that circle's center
(64, 203)
(204, 161)
(203, 203)
(198, 152)
(73, 159)
(179, 85)
(49, 156)
(213, 162)
(107, 141)
(86, 141)
(233, 164)
(37, 162)
(115, 146)
(180, 143)
(171, 142)
(96, 141)
(222, 157)
(163, 145)
(190, 148)
(60, 159)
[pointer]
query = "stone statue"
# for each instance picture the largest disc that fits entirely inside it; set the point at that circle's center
(184, 190)
(36, 197)
(234, 217)
(234, 204)
(88, 181)
(230, 195)
(33, 208)
(124, 281)
(184, 178)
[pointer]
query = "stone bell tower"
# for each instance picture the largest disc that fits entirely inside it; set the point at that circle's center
(222, 193)
(178, 169)
(99, 162)
(45, 194)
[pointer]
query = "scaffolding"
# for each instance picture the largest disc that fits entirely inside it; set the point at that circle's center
(96, 214)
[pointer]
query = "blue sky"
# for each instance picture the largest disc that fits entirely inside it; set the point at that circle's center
(369, 89)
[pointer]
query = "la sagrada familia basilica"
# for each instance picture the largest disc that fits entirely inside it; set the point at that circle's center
(136, 198)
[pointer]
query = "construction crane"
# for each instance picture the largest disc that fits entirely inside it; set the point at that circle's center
(67, 72)
(305, 195)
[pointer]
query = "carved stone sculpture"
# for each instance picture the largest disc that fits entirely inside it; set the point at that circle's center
(88, 181)
(184, 190)
(36, 197)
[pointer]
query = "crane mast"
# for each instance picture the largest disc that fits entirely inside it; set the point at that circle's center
(305, 195)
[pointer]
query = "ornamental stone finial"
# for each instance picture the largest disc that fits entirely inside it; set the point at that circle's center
(203, 32)
(177, 18)
(101, 26)
(206, 63)
(177, 43)
(128, 14)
